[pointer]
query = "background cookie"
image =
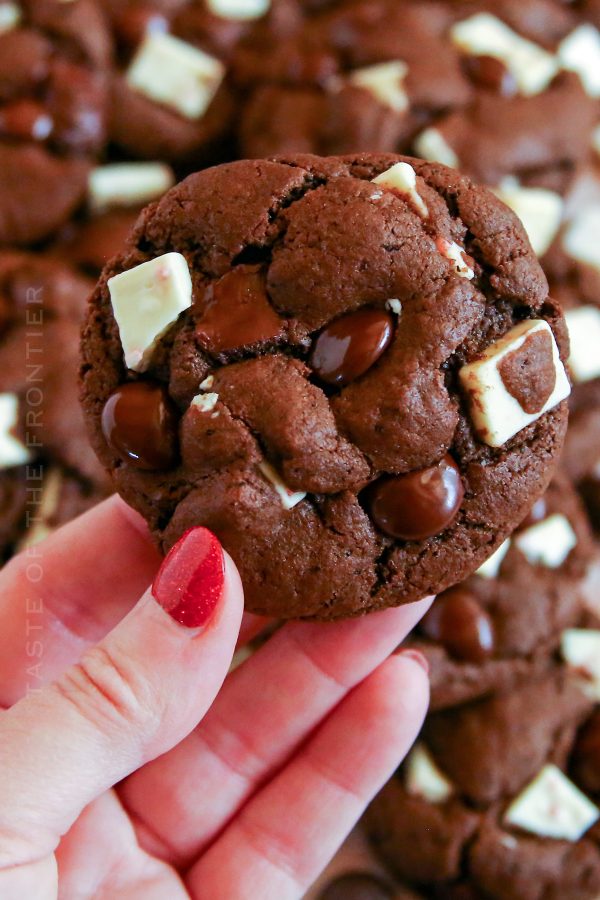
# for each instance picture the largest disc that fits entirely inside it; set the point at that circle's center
(487, 802)
(54, 61)
(505, 623)
(420, 275)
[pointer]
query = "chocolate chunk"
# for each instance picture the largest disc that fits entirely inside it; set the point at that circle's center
(586, 756)
(491, 74)
(25, 120)
(140, 424)
(348, 347)
(529, 374)
(237, 312)
(418, 505)
(357, 886)
(459, 622)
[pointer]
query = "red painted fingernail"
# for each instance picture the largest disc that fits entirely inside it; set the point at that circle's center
(417, 657)
(189, 584)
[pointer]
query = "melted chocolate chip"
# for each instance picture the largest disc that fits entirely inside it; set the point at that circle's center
(25, 120)
(418, 505)
(537, 513)
(357, 886)
(491, 74)
(237, 312)
(348, 347)
(140, 424)
(458, 622)
(586, 756)
(529, 374)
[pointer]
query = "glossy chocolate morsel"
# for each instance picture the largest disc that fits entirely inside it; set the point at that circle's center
(140, 424)
(357, 886)
(586, 756)
(237, 312)
(420, 504)
(348, 347)
(25, 120)
(458, 622)
(491, 74)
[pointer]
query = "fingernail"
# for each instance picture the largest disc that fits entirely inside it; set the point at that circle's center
(417, 657)
(189, 583)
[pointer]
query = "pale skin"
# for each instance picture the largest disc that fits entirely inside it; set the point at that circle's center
(133, 766)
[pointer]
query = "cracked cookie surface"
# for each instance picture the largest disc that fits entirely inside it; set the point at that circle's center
(339, 458)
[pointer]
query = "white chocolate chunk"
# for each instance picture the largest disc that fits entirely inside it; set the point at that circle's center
(483, 34)
(422, 778)
(548, 543)
(239, 10)
(128, 184)
(580, 239)
(553, 807)
(403, 178)
(12, 451)
(289, 498)
(539, 210)
(10, 16)
(584, 336)
(491, 566)
(146, 301)
(205, 402)
(41, 528)
(496, 414)
(580, 53)
(580, 648)
(385, 81)
(432, 145)
(207, 384)
(394, 306)
(457, 255)
(172, 72)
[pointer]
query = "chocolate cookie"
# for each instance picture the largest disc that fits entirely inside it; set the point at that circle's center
(53, 112)
(486, 804)
(354, 77)
(401, 326)
(41, 303)
(171, 96)
(505, 623)
(56, 499)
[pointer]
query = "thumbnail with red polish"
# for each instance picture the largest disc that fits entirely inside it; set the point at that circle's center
(189, 584)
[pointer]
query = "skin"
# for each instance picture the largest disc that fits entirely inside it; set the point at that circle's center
(132, 765)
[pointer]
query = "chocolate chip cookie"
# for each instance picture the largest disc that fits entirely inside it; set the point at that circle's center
(54, 59)
(504, 624)
(348, 368)
(171, 94)
(41, 304)
(490, 802)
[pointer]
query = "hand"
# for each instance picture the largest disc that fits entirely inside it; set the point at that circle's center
(132, 765)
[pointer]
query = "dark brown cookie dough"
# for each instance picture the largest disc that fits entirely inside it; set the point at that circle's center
(455, 821)
(504, 624)
(302, 243)
(53, 113)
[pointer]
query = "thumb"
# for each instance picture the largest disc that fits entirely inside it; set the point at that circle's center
(130, 698)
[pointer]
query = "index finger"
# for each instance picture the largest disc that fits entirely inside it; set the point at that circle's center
(59, 596)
